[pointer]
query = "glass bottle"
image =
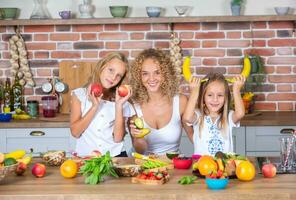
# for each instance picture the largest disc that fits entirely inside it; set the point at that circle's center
(86, 9)
(17, 91)
(1, 96)
(8, 97)
(40, 10)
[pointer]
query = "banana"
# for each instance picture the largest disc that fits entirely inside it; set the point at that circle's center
(246, 69)
(245, 72)
(21, 116)
(26, 159)
(144, 131)
(186, 69)
(220, 164)
(16, 154)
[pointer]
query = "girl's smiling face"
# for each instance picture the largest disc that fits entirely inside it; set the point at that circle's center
(214, 97)
(151, 75)
(112, 73)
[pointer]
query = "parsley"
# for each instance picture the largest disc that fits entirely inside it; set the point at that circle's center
(96, 168)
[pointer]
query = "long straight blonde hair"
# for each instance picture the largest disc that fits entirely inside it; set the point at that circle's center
(223, 112)
(95, 77)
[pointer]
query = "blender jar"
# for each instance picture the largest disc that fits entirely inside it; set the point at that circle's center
(49, 106)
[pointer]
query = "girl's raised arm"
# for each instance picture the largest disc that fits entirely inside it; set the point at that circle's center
(239, 109)
(189, 114)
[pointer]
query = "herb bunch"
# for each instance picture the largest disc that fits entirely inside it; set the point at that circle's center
(96, 168)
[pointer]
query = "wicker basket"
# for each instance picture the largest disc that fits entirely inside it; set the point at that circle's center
(6, 170)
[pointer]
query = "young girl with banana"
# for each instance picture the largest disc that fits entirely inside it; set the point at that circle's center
(212, 119)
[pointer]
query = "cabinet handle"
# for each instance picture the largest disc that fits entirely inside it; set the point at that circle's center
(287, 131)
(37, 133)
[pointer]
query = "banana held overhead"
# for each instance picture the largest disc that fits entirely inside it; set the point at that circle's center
(245, 72)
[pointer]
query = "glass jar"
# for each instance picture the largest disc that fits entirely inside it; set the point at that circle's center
(49, 106)
(40, 10)
(32, 108)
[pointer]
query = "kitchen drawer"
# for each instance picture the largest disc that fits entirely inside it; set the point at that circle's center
(264, 140)
(40, 140)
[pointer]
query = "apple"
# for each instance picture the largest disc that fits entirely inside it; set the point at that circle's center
(96, 89)
(123, 90)
(269, 170)
(21, 168)
(38, 170)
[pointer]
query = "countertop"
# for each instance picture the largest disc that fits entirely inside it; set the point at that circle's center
(54, 187)
(255, 119)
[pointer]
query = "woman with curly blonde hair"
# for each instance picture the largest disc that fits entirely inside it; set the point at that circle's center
(155, 82)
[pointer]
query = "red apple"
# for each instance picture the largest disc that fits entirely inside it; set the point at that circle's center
(123, 90)
(268, 170)
(96, 89)
(38, 170)
(21, 168)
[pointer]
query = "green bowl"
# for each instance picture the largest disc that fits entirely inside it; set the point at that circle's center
(118, 11)
(8, 13)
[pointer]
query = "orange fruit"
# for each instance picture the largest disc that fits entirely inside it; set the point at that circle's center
(245, 171)
(206, 164)
(69, 169)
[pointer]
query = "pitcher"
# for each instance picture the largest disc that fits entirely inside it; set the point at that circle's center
(287, 148)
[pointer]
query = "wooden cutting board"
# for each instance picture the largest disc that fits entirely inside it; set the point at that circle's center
(75, 75)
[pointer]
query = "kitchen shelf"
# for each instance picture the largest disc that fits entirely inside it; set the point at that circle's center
(147, 20)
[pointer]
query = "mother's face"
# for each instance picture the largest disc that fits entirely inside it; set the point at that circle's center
(151, 75)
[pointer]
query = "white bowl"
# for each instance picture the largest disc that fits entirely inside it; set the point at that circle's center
(153, 11)
(282, 10)
(182, 10)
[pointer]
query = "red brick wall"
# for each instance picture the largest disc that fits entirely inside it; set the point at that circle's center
(212, 45)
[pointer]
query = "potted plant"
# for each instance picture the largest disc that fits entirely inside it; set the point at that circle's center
(236, 7)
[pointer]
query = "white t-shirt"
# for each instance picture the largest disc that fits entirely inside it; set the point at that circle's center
(211, 139)
(166, 139)
(99, 134)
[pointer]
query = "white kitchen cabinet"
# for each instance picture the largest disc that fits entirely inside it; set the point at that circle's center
(38, 139)
(264, 140)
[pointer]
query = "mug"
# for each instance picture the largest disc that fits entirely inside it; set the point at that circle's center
(65, 14)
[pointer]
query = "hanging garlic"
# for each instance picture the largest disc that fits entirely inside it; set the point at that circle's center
(19, 61)
(175, 52)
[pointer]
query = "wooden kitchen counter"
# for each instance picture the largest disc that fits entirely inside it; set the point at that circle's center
(62, 121)
(54, 187)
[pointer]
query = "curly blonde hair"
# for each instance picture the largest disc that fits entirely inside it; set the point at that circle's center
(169, 87)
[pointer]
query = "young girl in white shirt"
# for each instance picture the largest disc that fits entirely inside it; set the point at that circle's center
(98, 123)
(212, 121)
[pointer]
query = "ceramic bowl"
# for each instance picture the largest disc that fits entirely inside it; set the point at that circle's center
(8, 13)
(128, 170)
(118, 11)
(182, 10)
(182, 162)
(282, 10)
(5, 117)
(217, 184)
(153, 11)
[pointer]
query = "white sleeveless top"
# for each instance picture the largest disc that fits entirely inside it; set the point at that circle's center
(166, 139)
(211, 139)
(99, 133)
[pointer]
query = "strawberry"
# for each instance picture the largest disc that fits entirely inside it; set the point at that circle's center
(159, 176)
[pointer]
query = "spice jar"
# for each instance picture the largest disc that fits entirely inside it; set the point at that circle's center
(32, 108)
(49, 106)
